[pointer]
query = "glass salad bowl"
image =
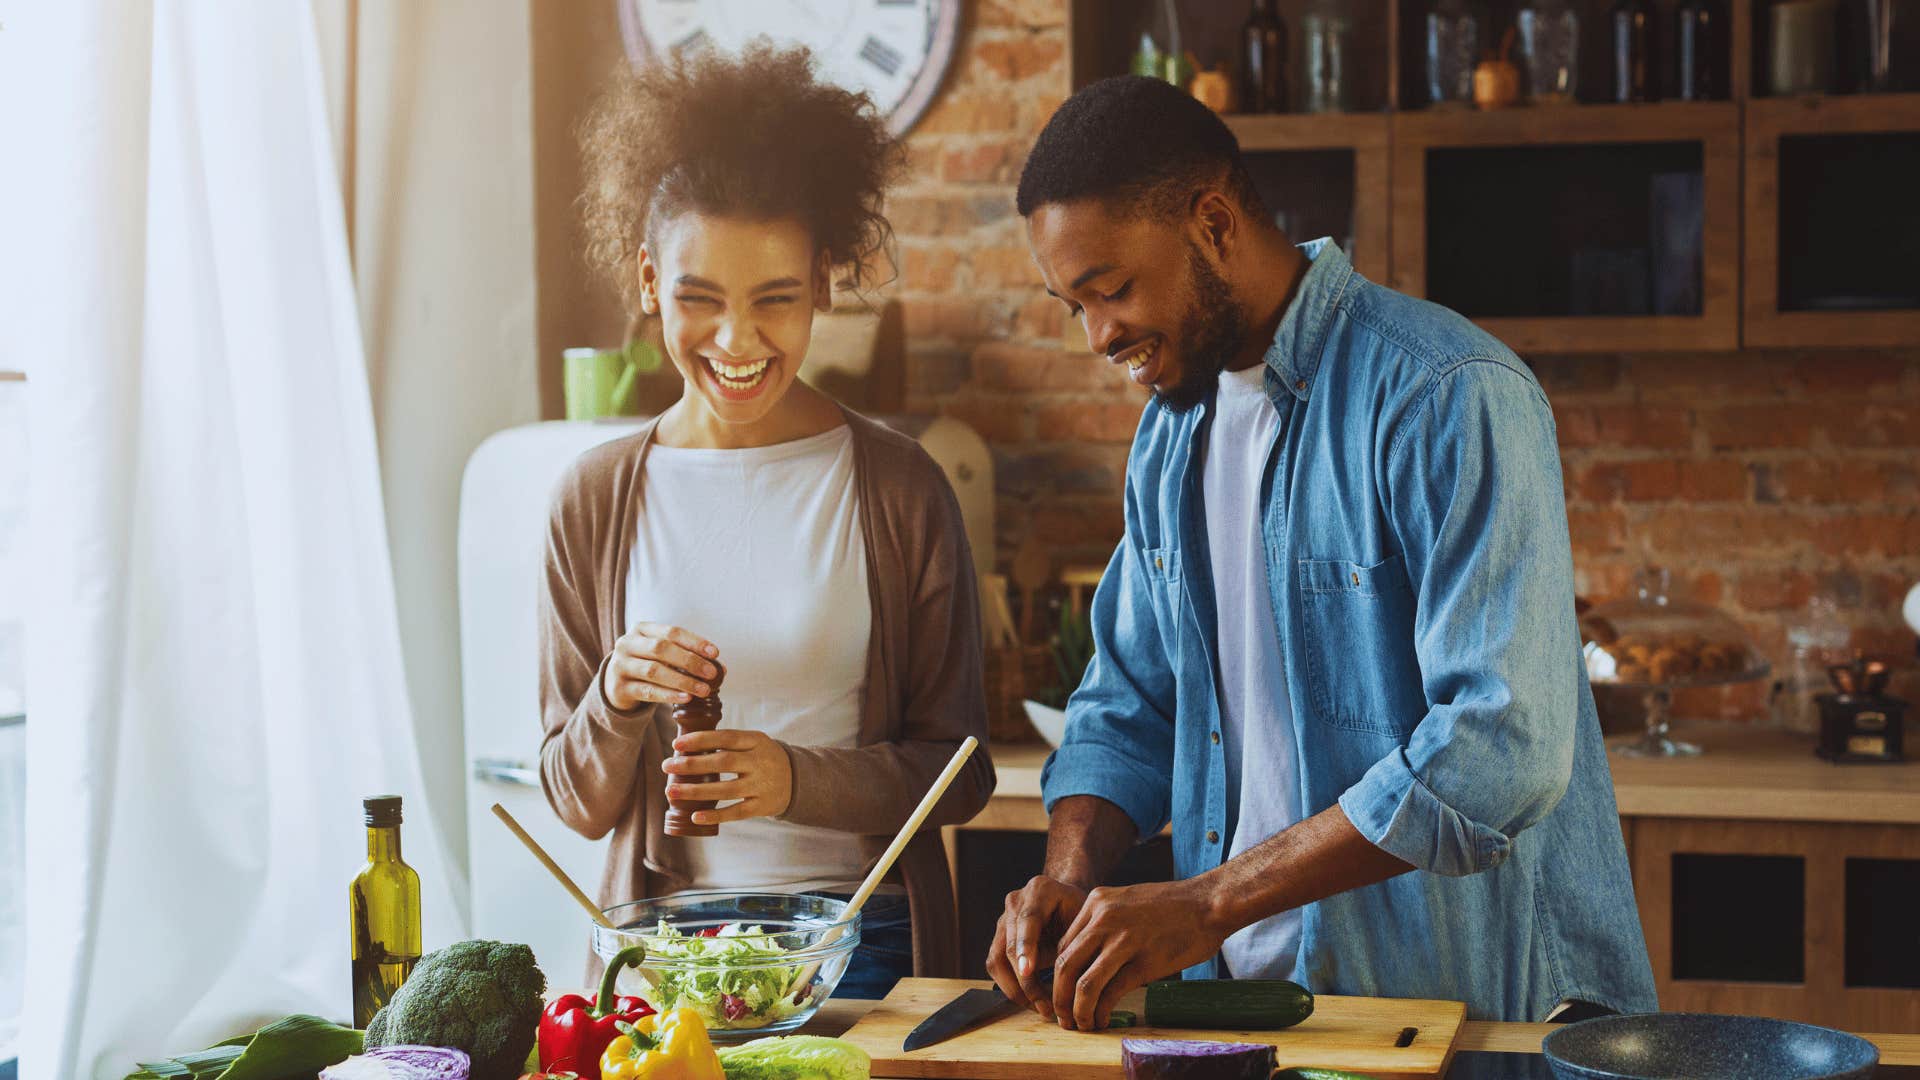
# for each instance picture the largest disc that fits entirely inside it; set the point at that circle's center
(1655, 644)
(750, 964)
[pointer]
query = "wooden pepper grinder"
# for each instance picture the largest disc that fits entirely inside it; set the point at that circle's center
(696, 714)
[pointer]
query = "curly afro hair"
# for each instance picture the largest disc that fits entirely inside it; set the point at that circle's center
(1138, 142)
(755, 135)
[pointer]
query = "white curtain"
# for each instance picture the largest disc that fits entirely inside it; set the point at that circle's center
(213, 662)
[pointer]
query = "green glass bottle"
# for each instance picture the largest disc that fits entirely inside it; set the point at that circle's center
(385, 898)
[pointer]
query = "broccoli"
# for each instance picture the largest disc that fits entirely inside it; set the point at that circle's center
(483, 997)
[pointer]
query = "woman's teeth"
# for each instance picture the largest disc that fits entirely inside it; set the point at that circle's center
(737, 376)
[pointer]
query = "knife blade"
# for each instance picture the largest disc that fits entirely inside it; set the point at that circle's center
(970, 1009)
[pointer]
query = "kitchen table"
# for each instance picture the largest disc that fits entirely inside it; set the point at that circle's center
(1486, 1051)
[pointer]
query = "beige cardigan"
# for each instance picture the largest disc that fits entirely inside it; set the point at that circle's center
(600, 767)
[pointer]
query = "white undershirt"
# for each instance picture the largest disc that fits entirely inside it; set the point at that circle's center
(760, 551)
(1256, 715)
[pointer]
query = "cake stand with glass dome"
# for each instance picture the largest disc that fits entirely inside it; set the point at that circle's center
(1654, 644)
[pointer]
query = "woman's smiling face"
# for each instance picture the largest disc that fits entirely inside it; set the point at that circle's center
(736, 299)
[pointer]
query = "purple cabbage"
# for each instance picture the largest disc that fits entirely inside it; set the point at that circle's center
(1191, 1059)
(402, 1063)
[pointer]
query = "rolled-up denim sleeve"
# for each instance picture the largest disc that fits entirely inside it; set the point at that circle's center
(1475, 499)
(1119, 741)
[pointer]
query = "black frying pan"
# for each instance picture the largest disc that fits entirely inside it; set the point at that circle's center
(1704, 1046)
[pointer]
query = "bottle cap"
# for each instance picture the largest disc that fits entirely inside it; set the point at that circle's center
(382, 810)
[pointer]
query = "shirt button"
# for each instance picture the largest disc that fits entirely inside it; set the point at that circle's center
(1300, 385)
(1212, 837)
(1356, 579)
(1158, 563)
(1216, 738)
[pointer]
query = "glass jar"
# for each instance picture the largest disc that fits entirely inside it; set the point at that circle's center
(1550, 51)
(1325, 32)
(1453, 50)
(1817, 637)
(1802, 61)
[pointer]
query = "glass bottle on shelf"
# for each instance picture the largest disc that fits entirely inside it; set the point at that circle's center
(1631, 51)
(1263, 60)
(1147, 58)
(1325, 31)
(1550, 51)
(1701, 43)
(1453, 50)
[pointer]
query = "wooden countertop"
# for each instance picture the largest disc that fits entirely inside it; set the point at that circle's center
(837, 1015)
(1746, 772)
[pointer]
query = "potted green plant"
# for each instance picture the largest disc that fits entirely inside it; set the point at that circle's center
(1072, 648)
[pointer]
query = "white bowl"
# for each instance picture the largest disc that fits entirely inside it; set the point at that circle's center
(1050, 722)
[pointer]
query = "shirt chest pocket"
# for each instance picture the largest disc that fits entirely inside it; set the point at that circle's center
(1162, 571)
(1362, 673)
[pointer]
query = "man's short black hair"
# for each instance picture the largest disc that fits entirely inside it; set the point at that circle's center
(1137, 141)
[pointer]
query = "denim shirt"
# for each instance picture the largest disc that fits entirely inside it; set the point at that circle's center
(1418, 559)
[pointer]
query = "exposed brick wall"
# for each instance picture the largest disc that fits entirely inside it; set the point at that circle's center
(987, 346)
(1769, 482)
(1783, 486)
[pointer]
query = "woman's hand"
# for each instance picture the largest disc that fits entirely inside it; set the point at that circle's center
(763, 775)
(659, 664)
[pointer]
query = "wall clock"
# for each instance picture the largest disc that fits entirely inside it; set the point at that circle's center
(895, 50)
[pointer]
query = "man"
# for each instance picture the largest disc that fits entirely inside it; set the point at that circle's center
(1336, 649)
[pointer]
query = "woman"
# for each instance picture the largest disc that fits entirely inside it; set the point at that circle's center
(756, 523)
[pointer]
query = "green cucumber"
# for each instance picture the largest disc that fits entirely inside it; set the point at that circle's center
(1227, 1004)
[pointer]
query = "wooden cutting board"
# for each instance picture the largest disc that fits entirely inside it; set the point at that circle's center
(1353, 1033)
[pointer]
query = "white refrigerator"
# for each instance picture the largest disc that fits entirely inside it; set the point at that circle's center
(502, 546)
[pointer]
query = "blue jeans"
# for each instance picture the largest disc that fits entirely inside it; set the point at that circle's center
(885, 953)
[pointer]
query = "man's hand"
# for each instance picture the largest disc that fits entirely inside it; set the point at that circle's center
(1125, 938)
(1086, 837)
(1023, 942)
(762, 773)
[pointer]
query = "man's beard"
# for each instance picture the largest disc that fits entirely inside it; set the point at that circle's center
(1211, 334)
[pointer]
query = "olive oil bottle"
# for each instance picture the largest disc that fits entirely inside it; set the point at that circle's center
(385, 899)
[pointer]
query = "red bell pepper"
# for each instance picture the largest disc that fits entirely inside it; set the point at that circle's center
(574, 1032)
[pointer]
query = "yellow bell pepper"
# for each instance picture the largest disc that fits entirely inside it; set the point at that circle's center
(668, 1046)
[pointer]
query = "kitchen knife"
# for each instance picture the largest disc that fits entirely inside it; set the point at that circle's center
(970, 1009)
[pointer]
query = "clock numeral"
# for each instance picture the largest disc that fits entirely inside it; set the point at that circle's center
(882, 55)
(696, 40)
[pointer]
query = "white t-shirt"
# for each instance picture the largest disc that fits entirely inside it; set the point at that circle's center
(1256, 715)
(760, 551)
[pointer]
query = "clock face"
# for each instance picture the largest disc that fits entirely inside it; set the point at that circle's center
(895, 50)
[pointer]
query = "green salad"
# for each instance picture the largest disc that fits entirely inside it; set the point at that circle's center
(733, 978)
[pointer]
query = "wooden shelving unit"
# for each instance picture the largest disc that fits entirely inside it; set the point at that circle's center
(1735, 146)
(1365, 138)
(1304, 131)
(1767, 323)
(1714, 126)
